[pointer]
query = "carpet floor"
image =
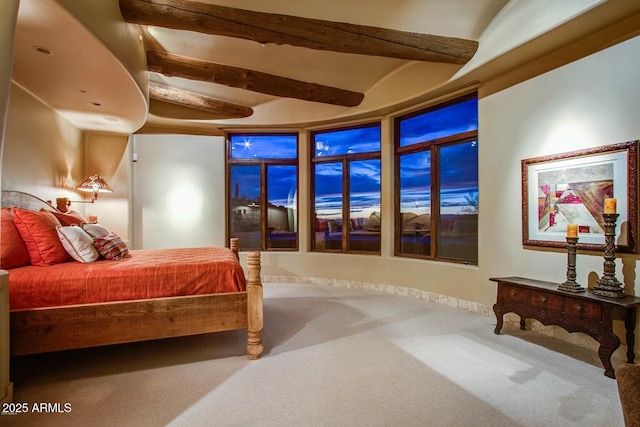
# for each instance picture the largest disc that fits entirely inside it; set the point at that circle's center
(333, 357)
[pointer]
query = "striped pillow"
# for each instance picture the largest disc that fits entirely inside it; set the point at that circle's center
(111, 246)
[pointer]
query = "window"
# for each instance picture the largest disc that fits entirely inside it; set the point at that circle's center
(263, 190)
(436, 167)
(346, 190)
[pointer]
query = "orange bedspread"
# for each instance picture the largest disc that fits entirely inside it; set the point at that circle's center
(146, 274)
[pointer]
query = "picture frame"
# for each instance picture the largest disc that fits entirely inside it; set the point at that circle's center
(571, 187)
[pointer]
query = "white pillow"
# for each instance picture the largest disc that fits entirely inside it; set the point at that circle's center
(95, 229)
(78, 243)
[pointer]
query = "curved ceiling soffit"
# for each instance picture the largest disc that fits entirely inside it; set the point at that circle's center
(78, 74)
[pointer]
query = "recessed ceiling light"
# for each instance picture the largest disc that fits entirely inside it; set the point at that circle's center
(43, 50)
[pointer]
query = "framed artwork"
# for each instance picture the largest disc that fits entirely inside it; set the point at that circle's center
(570, 188)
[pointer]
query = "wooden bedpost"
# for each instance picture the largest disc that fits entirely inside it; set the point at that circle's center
(254, 307)
(234, 245)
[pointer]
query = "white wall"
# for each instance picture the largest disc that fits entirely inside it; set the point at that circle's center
(178, 191)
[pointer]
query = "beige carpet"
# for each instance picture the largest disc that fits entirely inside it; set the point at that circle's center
(334, 357)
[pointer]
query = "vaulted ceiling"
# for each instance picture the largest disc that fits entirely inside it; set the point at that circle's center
(178, 65)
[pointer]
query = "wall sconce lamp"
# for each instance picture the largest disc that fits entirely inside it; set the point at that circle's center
(94, 183)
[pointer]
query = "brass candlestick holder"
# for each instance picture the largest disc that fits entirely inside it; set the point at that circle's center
(608, 285)
(570, 285)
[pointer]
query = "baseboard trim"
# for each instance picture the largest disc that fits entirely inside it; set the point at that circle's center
(403, 291)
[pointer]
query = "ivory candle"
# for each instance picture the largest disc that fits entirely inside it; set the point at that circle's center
(572, 230)
(610, 205)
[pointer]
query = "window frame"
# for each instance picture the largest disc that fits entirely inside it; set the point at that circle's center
(433, 146)
(345, 160)
(264, 163)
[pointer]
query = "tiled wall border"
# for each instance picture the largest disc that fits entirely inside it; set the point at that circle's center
(402, 291)
(577, 338)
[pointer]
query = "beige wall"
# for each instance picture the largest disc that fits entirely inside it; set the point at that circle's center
(588, 103)
(46, 156)
(107, 156)
(43, 153)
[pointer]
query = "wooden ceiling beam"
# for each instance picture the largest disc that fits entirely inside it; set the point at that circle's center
(188, 68)
(297, 31)
(196, 101)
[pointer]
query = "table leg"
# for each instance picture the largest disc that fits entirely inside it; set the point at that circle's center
(499, 311)
(630, 326)
(609, 342)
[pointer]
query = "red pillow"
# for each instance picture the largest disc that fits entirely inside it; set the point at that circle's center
(13, 252)
(69, 218)
(38, 230)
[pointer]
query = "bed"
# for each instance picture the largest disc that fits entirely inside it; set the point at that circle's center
(68, 314)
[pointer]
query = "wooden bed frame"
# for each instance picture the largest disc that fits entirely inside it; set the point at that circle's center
(77, 326)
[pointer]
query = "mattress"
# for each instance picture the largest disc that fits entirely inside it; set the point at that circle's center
(145, 274)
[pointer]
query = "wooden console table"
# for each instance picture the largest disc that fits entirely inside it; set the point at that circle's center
(575, 312)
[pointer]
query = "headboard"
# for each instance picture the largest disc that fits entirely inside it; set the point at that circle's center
(24, 200)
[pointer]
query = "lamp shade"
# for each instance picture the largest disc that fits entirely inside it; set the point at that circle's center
(95, 184)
